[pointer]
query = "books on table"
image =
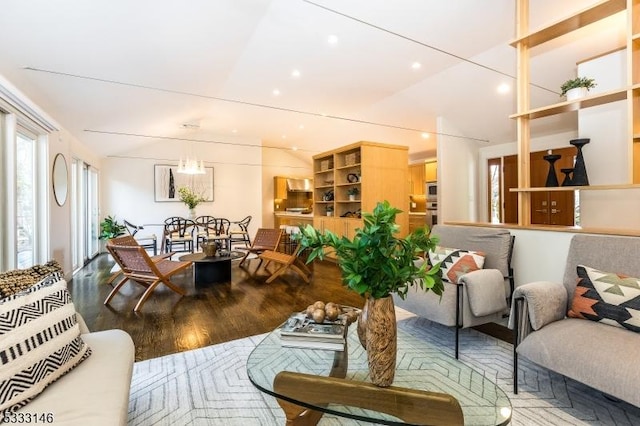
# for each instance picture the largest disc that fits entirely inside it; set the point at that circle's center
(302, 332)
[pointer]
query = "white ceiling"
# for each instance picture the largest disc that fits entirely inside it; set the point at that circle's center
(105, 68)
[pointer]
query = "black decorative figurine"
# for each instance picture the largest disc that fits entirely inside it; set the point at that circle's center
(567, 177)
(552, 179)
(580, 177)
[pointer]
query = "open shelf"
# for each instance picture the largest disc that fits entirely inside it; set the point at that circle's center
(574, 105)
(576, 188)
(581, 19)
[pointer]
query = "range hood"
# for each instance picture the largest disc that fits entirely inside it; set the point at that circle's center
(299, 185)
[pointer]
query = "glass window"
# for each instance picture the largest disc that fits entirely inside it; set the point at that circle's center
(25, 200)
(495, 196)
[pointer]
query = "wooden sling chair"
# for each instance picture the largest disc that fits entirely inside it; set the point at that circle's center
(138, 266)
(129, 240)
(265, 239)
(285, 262)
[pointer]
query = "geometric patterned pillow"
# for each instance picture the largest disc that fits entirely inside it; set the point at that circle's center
(606, 297)
(454, 263)
(39, 341)
(16, 280)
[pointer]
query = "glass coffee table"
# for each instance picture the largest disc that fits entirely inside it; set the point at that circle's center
(310, 382)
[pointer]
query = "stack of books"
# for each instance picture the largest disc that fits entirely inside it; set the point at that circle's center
(302, 332)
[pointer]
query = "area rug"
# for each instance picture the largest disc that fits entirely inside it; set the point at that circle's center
(209, 386)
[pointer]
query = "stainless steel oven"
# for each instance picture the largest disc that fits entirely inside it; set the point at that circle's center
(432, 213)
(432, 191)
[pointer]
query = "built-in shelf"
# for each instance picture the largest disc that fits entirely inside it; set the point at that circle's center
(574, 22)
(324, 171)
(349, 166)
(576, 104)
(576, 188)
(635, 37)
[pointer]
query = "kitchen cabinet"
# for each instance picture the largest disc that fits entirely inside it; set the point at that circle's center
(280, 188)
(282, 220)
(431, 171)
(416, 179)
(417, 221)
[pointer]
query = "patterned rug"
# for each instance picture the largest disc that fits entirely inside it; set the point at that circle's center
(209, 386)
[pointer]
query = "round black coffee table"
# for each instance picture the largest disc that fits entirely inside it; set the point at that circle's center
(214, 269)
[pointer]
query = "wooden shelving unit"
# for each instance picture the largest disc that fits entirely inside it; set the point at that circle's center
(576, 188)
(379, 172)
(526, 40)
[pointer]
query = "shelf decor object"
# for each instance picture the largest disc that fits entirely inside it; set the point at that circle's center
(552, 178)
(580, 177)
(577, 88)
(567, 177)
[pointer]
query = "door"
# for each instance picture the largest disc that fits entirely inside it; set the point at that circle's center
(553, 207)
(510, 180)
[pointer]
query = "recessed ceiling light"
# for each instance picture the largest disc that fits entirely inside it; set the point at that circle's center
(284, 136)
(295, 73)
(425, 135)
(332, 39)
(276, 92)
(301, 127)
(503, 88)
(234, 131)
(294, 148)
(416, 65)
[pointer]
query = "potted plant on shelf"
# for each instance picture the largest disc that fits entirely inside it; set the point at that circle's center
(111, 228)
(191, 199)
(352, 193)
(329, 210)
(577, 87)
(375, 264)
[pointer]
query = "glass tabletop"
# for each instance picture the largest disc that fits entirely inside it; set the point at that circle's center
(419, 365)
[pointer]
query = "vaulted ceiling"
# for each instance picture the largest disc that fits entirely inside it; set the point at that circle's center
(119, 74)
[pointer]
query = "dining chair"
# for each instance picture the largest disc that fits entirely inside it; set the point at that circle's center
(265, 239)
(207, 228)
(148, 241)
(223, 236)
(179, 234)
(139, 267)
(239, 232)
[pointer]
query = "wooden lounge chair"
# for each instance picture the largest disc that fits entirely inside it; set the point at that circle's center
(285, 262)
(138, 266)
(265, 239)
(129, 240)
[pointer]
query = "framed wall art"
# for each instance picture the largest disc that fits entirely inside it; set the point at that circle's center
(167, 181)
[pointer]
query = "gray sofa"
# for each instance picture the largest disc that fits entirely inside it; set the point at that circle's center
(96, 392)
(594, 353)
(482, 295)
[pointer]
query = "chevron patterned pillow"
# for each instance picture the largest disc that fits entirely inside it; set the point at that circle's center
(454, 262)
(606, 297)
(39, 341)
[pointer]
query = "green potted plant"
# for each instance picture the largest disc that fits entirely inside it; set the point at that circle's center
(352, 193)
(111, 228)
(191, 199)
(577, 87)
(329, 209)
(375, 264)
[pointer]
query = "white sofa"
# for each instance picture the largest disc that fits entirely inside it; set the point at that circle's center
(96, 392)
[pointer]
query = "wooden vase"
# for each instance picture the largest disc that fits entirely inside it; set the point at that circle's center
(362, 325)
(381, 340)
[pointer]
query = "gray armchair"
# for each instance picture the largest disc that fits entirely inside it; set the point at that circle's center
(480, 296)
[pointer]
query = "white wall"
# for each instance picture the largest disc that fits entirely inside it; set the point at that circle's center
(128, 183)
(280, 162)
(457, 175)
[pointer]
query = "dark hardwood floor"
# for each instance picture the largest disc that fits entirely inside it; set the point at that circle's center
(169, 323)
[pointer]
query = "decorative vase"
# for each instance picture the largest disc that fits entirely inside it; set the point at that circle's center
(362, 325)
(577, 93)
(567, 177)
(192, 213)
(352, 197)
(552, 178)
(381, 340)
(209, 248)
(580, 177)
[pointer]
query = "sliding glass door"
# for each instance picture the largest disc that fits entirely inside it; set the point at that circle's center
(84, 213)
